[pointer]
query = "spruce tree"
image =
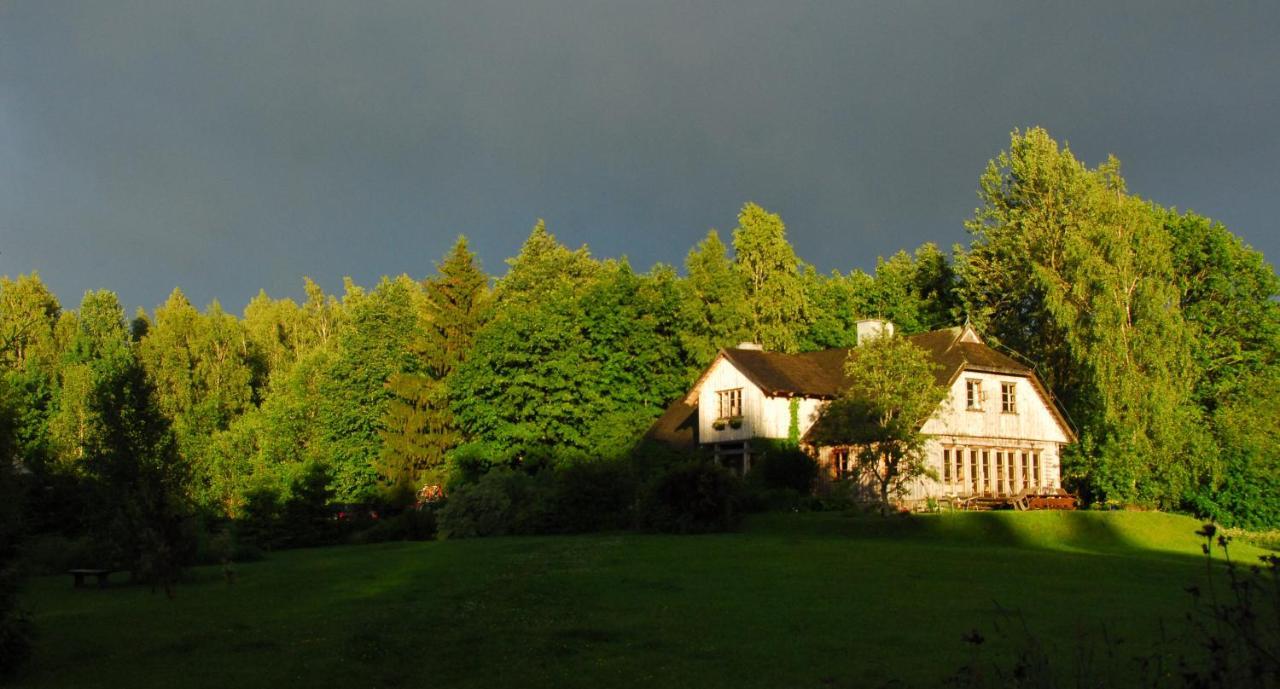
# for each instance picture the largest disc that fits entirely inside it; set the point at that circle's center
(418, 428)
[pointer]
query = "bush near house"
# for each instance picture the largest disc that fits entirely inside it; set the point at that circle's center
(694, 497)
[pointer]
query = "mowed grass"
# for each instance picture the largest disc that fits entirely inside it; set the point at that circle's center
(789, 601)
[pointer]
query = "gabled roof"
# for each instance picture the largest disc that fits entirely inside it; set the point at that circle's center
(678, 425)
(821, 374)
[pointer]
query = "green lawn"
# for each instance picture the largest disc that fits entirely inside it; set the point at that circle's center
(789, 601)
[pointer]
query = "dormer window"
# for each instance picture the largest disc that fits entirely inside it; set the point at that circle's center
(730, 403)
(1009, 398)
(973, 394)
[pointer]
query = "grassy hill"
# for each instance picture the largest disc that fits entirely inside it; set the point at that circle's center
(791, 600)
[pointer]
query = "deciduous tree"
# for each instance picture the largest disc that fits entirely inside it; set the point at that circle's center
(893, 390)
(775, 298)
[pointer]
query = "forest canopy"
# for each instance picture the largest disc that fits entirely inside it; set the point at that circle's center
(1157, 329)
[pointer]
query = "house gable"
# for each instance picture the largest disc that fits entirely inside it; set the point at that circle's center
(769, 380)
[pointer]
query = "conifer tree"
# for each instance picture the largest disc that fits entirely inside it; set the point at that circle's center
(419, 427)
(372, 345)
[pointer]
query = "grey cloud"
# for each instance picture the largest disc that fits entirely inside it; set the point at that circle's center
(229, 146)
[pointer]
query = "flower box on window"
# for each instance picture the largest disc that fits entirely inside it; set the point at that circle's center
(735, 422)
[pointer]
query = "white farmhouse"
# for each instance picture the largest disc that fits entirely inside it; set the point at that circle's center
(999, 432)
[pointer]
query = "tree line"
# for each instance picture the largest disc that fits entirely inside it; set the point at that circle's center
(1156, 329)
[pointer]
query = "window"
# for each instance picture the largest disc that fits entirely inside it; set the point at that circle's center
(840, 458)
(973, 469)
(947, 476)
(1009, 398)
(1035, 469)
(730, 403)
(973, 394)
(986, 471)
(1001, 486)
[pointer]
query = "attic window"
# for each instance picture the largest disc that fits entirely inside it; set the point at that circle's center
(1009, 398)
(730, 403)
(973, 394)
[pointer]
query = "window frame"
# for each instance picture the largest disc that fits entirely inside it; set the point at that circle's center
(734, 397)
(1008, 397)
(973, 394)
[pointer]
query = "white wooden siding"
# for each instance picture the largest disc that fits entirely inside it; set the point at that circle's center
(762, 416)
(725, 376)
(1032, 427)
(1032, 421)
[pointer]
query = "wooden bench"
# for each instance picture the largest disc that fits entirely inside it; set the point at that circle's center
(100, 574)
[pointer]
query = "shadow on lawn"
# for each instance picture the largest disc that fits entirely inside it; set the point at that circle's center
(1104, 533)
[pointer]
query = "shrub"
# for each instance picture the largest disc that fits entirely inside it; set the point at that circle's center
(501, 502)
(259, 520)
(224, 546)
(305, 516)
(55, 553)
(784, 468)
(409, 525)
(573, 497)
(294, 515)
(591, 496)
(693, 497)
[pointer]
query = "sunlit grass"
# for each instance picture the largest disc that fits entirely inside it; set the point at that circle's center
(791, 600)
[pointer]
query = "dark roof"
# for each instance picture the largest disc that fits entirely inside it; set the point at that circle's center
(678, 425)
(821, 374)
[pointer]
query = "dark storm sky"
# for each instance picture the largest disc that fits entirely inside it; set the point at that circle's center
(226, 146)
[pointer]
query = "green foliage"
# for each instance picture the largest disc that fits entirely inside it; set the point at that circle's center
(892, 393)
(372, 346)
(418, 426)
(774, 294)
(914, 291)
(692, 497)
(783, 466)
(15, 629)
(202, 370)
(571, 498)
(502, 502)
(545, 266)
(293, 514)
(715, 312)
(836, 303)
(115, 441)
(793, 422)
(409, 525)
(1075, 273)
(1159, 330)
(577, 372)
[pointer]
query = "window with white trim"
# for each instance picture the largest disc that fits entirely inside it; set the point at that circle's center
(1009, 398)
(973, 394)
(730, 403)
